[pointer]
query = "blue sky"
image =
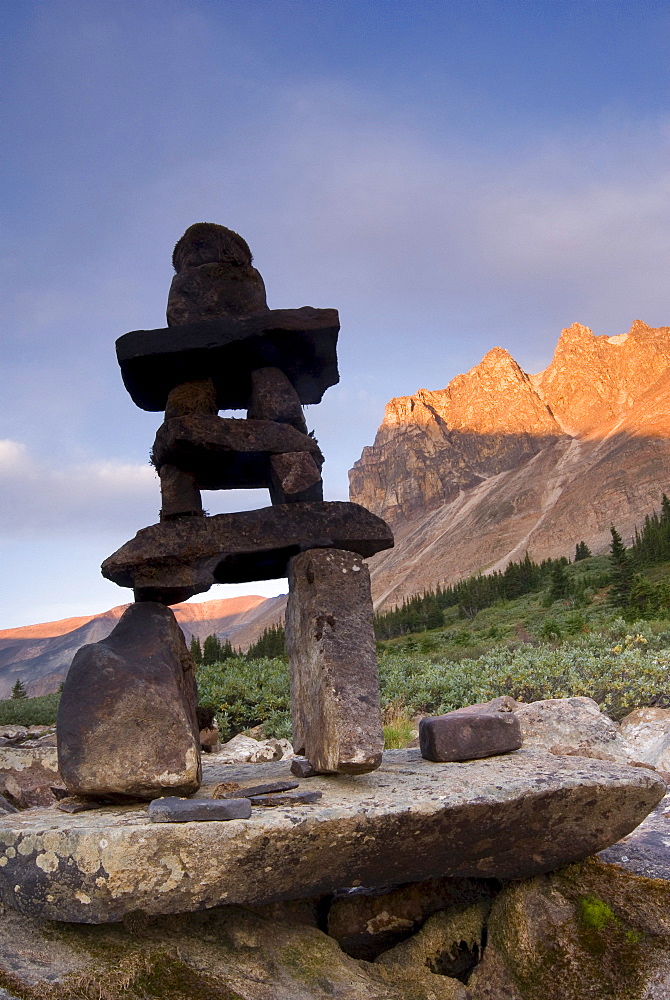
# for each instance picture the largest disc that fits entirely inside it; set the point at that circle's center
(452, 176)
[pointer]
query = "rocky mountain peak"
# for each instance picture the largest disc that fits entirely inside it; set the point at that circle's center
(501, 462)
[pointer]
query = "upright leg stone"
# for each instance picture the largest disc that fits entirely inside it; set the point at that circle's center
(180, 496)
(331, 646)
(294, 477)
(127, 717)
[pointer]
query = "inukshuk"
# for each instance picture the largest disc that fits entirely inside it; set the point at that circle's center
(127, 714)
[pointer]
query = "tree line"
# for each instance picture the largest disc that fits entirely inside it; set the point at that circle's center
(629, 589)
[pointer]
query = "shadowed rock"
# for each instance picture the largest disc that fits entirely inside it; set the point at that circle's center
(126, 721)
(170, 562)
(300, 342)
(331, 647)
(274, 398)
(226, 453)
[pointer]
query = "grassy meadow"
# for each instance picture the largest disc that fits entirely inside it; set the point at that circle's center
(529, 647)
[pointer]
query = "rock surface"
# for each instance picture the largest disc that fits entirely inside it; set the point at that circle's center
(127, 720)
(589, 932)
(330, 642)
(174, 560)
(231, 953)
(367, 923)
(501, 462)
(647, 733)
(504, 817)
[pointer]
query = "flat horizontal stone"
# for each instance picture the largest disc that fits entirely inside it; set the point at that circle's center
(173, 560)
(172, 809)
(468, 735)
(302, 798)
(265, 789)
(504, 817)
(300, 342)
(227, 453)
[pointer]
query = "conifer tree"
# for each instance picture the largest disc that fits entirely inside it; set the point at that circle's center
(559, 587)
(211, 650)
(196, 650)
(18, 691)
(622, 571)
(582, 551)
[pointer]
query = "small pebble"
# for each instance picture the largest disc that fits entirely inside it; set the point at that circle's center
(223, 787)
(172, 809)
(302, 768)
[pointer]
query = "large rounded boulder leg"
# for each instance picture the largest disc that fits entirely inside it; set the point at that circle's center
(127, 721)
(331, 647)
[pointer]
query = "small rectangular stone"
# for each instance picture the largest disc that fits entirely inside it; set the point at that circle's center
(267, 789)
(468, 735)
(302, 768)
(295, 478)
(287, 799)
(172, 809)
(180, 496)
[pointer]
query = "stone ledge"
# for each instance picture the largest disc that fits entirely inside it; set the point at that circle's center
(505, 817)
(300, 342)
(173, 560)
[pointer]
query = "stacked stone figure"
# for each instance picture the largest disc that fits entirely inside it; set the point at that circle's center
(127, 723)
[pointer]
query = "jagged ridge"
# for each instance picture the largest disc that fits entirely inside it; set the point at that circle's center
(501, 462)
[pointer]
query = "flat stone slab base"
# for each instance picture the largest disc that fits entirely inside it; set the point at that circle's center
(508, 817)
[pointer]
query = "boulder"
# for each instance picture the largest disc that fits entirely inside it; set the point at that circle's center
(572, 723)
(503, 817)
(127, 721)
(647, 734)
(246, 750)
(589, 932)
(174, 560)
(28, 775)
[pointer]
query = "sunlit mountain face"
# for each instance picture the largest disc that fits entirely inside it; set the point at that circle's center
(501, 462)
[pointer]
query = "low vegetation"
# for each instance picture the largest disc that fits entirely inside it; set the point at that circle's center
(599, 626)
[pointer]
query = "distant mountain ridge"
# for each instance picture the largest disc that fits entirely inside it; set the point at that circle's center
(40, 655)
(502, 462)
